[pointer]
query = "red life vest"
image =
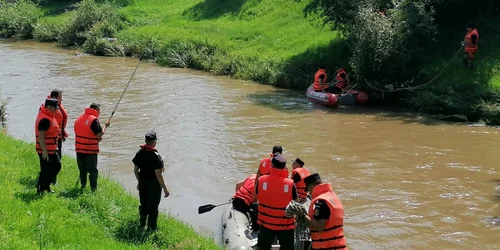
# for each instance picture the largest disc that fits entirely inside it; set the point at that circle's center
(51, 135)
(301, 186)
(316, 80)
(61, 117)
(86, 141)
(341, 82)
(274, 194)
(246, 192)
(332, 236)
(469, 46)
(265, 165)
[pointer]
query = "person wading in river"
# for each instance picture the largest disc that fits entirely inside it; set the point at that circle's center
(148, 169)
(47, 133)
(62, 119)
(88, 134)
(325, 216)
(274, 193)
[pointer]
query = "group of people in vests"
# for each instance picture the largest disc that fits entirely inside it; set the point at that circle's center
(264, 197)
(340, 84)
(50, 133)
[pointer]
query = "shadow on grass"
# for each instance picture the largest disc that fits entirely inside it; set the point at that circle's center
(72, 193)
(55, 8)
(211, 9)
(130, 232)
(29, 181)
(29, 196)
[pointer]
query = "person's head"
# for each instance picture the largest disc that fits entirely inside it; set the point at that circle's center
(51, 104)
(297, 163)
(96, 107)
(470, 26)
(278, 161)
(150, 138)
(277, 149)
(340, 69)
(312, 181)
(56, 94)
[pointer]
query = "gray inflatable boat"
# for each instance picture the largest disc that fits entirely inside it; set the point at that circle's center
(237, 232)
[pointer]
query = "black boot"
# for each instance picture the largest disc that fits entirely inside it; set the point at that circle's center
(152, 221)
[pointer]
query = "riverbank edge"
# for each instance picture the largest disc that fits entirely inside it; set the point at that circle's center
(112, 208)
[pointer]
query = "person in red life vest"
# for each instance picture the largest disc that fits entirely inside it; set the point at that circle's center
(62, 119)
(88, 134)
(470, 42)
(46, 136)
(298, 175)
(244, 199)
(320, 81)
(342, 81)
(274, 192)
(148, 169)
(265, 164)
(325, 216)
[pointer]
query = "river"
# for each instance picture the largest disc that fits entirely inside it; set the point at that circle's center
(406, 182)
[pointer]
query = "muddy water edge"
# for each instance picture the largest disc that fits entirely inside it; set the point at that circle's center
(406, 182)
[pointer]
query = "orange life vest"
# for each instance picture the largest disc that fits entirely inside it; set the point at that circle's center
(468, 40)
(86, 141)
(51, 135)
(301, 186)
(61, 117)
(332, 236)
(265, 165)
(341, 82)
(274, 194)
(246, 192)
(316, 80)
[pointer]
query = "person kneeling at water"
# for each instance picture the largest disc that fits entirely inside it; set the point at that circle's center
(243, 200)
(148, 168)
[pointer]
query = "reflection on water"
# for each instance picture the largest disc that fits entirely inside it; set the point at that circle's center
(406, 182)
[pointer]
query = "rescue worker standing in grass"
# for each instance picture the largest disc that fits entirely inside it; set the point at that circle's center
(244, 199)
(298, 175)
(88, 134)
(325, 216)
(62, 119)
(148, 169)
(274, 192)
(47, 133)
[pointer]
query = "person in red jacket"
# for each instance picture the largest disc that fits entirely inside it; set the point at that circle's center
(470, 43)
(244, 199)
(299, 173)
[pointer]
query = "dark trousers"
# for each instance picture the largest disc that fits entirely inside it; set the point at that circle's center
(331, 89)
(59, 152)
(87, 163)
(285, 238)
(48, 168)
(149, 197)
(240, 205)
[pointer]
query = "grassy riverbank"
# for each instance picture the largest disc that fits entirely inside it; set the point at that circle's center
(267, 41)
(72, 219)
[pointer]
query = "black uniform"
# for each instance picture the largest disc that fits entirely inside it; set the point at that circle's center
(148, 160)
(48, 168)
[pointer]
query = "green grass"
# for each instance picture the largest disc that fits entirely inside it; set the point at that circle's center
(75, 219)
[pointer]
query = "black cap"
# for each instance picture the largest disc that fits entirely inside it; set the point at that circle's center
(470, 25)
(277, 149)
(51, 102)
(312, 179)
(150, 136)
(279, 161)
(299, 161)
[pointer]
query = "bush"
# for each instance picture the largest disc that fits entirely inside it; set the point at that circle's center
(18, 18)
(49, 29)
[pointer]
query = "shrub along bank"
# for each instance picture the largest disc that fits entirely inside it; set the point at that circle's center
(283, 42)
(74, 219)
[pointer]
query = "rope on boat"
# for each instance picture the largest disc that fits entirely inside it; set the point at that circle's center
(301, 229)
(418, 86)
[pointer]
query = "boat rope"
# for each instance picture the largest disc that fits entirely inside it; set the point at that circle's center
(419, 86)
(301, 229)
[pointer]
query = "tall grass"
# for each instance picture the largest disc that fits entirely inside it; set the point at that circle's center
(74, 219)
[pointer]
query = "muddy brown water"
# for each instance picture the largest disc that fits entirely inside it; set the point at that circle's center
(406, 182)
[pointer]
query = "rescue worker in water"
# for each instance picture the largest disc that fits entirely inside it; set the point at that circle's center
(325, 216)
(320, 84)
(47, 133)
(274, 193)
(62, 119)
(470, 43)
(148, 169)
(244, 199)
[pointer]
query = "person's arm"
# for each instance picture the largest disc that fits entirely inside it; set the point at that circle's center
(473, 39)
(238, 186)
(256, 190)
(295, 195)
(320, 81)
(159, 169)
(97, 129)
(321, 214)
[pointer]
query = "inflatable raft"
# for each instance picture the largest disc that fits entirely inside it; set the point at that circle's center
(328, 99)
(237, 231)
